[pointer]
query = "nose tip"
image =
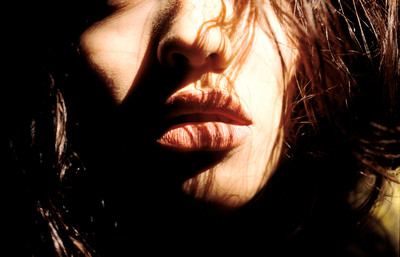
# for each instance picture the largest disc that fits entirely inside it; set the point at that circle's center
(194, 40)
(210, 49)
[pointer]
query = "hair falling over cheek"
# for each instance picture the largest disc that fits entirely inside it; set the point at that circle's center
(240, 33)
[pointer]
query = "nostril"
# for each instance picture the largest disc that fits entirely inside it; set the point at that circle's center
(179, 60)
(213, 56)
(219, 61)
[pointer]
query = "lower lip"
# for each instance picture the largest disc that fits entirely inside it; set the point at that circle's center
(205, 136)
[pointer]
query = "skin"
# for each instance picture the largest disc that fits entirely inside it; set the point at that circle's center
(141, 37)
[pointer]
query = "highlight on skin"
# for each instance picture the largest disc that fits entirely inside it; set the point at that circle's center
(217, 54)
(325, 55)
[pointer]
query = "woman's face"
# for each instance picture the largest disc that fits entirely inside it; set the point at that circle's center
(177, 74)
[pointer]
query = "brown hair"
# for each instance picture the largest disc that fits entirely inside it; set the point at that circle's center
(348, 75)
(342, 106)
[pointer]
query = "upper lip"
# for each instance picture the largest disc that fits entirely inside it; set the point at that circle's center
(215, 103)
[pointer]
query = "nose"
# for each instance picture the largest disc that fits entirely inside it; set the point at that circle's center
(194, 39)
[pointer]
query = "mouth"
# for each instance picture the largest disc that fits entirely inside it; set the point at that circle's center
(204, 121)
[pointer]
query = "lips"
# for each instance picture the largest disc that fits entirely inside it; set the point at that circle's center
(204, 121)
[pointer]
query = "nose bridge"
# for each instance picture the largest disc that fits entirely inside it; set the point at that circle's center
(198, 12)
(194, 33)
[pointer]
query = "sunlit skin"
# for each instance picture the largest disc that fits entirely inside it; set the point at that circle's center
(118, 46)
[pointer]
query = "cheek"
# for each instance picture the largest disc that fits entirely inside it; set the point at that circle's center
(261, 84)
(117, 71)
(115, 49)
